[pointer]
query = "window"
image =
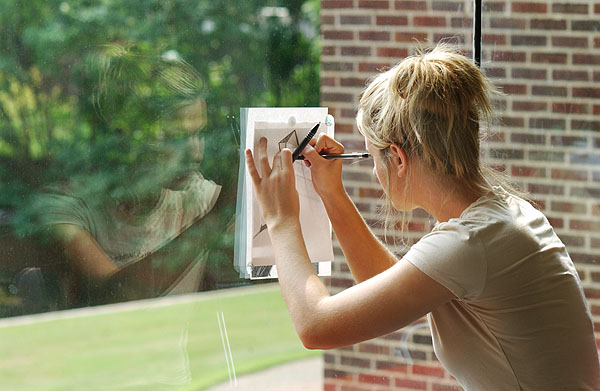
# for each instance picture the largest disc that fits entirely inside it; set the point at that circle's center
(119, 149)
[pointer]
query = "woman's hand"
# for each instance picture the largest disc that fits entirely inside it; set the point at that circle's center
(275, 186)
(326, 173)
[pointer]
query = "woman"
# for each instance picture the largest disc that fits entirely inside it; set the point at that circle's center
(504, 302)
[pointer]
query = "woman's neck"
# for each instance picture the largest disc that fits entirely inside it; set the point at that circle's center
(442, 197)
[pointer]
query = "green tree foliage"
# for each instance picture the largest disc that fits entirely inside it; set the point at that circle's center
(57, 120)
(107, 94)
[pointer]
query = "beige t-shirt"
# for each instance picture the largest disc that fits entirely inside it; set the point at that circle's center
(519, 320)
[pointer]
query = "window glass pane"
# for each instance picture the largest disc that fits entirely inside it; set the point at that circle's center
(543, 57)
(119, 152)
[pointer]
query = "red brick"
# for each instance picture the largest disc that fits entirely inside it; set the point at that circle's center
(351, 113)
(409, 384)
(596, 110)
(585, 125)
(452, 38)
(392, 52)
(411, 5)
(338, 34)
(355, 19)
(548, 123)
(429, 21)
(428, 371)
(586, 93)
(569, 8)
(508, 23)
(490, 39)
(327, 19)
(336, 66)
(546, 189)
(356, 362)
(529, 7)
(528, 40)
(506, 153)
(570, 42)
(569, 141)
(548, 24)
(372, 67)
(494, 6)
(495, 72)
(585, 225)
(528, 138)
(352, 82)
(513, 89)
(597, 8)
(374, 36)
(508, 56)
(344, 128)
(512, 122)
(549, 91)
(573, 175)
(528, 106)
(392, 366)
(446, 6)
(410, 37)
(597, 42)
(328, 81)
(367, 347)
(392, 20)
(528, 171)
(570, 108)
(550, 58)
(446, 387)
(373, 379)
(463, 22)
(328, 50)
(568, 207)
(571, 75)
(374, 4)
(524, 73)
(334, 373)
(586, 59)
(585, 25)
(356, 51)
(556, 222)
(337, 4)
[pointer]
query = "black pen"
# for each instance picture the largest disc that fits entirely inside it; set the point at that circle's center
(304, 143)
(342, 156)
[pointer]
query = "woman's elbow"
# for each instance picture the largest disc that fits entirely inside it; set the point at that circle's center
(318, 336)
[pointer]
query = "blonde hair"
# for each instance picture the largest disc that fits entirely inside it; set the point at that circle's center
(432, 104)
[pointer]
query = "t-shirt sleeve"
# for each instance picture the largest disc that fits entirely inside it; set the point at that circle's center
(53, 209)
(453, 256)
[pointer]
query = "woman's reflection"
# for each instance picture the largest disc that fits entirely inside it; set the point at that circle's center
(129, 226)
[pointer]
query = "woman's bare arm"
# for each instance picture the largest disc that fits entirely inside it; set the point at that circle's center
(384, 303)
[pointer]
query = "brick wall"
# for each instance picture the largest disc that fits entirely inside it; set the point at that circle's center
(545, 56)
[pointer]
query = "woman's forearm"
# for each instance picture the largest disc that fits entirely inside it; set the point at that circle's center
(301, 287)
(365, 254)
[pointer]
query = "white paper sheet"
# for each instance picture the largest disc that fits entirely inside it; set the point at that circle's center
(283, 128)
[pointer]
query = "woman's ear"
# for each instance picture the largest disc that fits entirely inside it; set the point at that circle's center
(399, 159)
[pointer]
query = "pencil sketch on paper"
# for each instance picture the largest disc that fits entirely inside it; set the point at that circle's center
(255, 252)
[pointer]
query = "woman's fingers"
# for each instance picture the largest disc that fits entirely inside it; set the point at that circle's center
(328, 145)
(263, 157)
(252, 167)
(286, 159)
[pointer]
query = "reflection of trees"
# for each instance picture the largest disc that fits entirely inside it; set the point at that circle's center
(58, 123)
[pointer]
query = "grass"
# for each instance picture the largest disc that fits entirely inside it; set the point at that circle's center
(152, 345)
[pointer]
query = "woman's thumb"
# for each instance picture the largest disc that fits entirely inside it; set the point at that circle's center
(311, 154)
